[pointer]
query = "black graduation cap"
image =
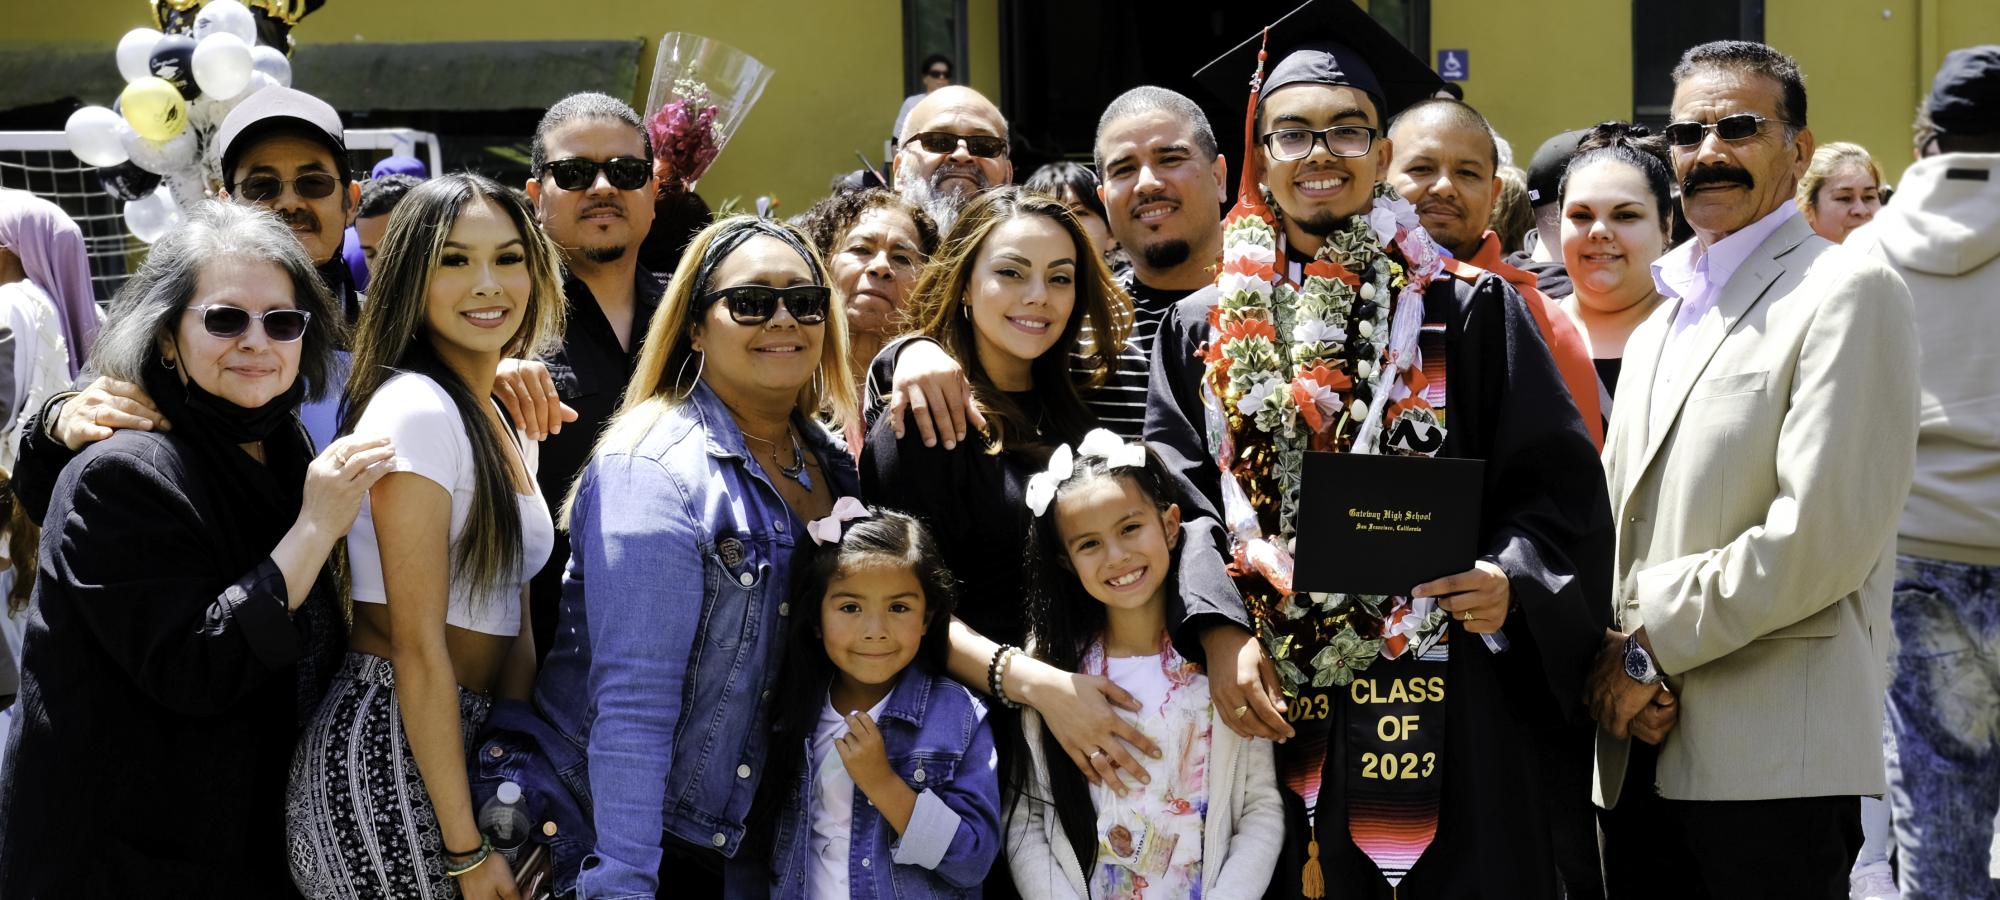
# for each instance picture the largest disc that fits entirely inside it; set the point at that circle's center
(1326, 42)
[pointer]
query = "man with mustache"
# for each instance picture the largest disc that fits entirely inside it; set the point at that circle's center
(1757, 472)
(1314, 157)
(593, 184)
(953, 145)
(1447, 164)
(281, 149)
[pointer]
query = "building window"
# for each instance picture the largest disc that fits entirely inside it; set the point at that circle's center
(933, 26)
(1662, 31)
(1409, 21)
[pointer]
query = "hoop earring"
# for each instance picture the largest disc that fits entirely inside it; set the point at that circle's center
(702, 360)
(819, 384)
(167, 363)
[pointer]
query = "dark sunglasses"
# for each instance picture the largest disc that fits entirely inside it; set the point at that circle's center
(755, 304)
(1741, 126)
(942, 142)
(626, 173)
(263, 188)
(939, 73)
(1347, 141)
(225, 321)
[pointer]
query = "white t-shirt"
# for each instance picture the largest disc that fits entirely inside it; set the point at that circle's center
(418, 416)
(833, 804)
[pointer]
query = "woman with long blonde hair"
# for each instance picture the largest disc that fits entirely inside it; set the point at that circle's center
(440, 555)
(684, 530)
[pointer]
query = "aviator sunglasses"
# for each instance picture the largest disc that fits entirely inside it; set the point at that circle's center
(942, 142)
(225, 321)
(755, 304)
(626, 173)
(1741, 126)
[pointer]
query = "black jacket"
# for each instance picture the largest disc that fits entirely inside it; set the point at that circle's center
(164, 682)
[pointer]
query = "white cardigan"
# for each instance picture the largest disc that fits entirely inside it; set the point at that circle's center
(1241, 836)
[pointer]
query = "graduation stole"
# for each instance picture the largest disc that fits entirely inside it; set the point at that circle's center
(1325, 357)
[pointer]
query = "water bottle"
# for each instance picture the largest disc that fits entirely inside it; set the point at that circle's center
(505, 823)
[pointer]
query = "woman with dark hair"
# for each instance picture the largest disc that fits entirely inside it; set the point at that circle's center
(1617, 216)
(187, 619)
(874, 243)
(440, 556)
(685, 530)
(1077, 187)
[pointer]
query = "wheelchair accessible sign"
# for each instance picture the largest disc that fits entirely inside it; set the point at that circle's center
(1455, 65)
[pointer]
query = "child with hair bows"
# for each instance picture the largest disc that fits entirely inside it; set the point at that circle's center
(1100, 570)
(881, 777)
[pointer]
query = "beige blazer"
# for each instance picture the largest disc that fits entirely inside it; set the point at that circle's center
(1756, 533)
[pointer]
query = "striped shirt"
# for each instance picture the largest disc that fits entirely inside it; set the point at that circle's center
(1121, 403)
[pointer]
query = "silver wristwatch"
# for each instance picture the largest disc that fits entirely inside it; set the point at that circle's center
(1639, 664)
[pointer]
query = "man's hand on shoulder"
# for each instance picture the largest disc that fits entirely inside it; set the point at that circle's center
(105, 406)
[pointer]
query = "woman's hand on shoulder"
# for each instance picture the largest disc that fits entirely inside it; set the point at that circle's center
(339, 477)
(105, 406)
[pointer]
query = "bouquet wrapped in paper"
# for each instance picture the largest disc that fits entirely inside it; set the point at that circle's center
(702, 90)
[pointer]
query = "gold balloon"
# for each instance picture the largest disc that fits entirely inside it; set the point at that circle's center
(154, 108)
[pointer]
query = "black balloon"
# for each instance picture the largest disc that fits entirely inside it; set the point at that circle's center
(173, 60)
(127, 181)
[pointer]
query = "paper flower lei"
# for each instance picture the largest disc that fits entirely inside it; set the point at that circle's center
(1320, 366)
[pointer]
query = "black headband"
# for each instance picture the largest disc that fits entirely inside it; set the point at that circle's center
(733, 235)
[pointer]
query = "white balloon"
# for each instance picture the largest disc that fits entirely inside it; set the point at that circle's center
(151, 217)
(135, 50)
(271, 61)
(226, 17)
(161, 157)
(222, 65)
(93, 136)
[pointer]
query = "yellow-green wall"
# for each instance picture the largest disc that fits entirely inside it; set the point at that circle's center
(1564, 64)
(836, 85)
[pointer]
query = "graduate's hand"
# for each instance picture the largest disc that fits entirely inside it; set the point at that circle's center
(1659, 717)
(105, 406)
(1478, 597)
(932, 386)
(1243, 684)
(1614, 697)
(525, 387)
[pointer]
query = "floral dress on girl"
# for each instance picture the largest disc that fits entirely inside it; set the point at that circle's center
(1149, 842)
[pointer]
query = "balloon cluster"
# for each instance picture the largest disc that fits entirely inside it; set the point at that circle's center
(149, 147)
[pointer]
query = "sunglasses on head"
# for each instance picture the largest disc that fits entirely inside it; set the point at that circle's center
(225, 321)
(942, 142)
(1741, 126)
(264, 188)
(755, 304)
(626, 173)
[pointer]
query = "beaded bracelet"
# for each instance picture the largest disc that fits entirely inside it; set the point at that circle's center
(996, 674)
(478, 857)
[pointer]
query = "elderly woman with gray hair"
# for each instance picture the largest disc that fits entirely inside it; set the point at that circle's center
(188, 621)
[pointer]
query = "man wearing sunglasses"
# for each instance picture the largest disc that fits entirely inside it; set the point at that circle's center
(953, 145)
(1757, 472)
(281, 149)
(936, 73)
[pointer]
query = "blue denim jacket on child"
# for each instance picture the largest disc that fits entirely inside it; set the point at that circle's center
(936, 737)
(673, 620)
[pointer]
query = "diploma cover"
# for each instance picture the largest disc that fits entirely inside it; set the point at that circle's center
(1385, 524)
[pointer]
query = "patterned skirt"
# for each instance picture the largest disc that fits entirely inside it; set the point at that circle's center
(359, 821)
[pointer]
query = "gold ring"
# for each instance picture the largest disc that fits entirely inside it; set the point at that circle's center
(1243, 710)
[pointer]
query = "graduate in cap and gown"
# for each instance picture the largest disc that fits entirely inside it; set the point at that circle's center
(1442, 745)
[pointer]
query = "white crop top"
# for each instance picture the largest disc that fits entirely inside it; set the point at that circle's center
(430, 440)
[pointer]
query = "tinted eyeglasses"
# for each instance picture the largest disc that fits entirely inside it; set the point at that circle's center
(264, 188)
(755, 304)
(939, 73)
(1739, 127)
(626, 173)
(942, 142)
(226, 322)
(1340, 140)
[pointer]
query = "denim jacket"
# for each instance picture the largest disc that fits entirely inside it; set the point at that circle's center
(936, 737)
(671, 628)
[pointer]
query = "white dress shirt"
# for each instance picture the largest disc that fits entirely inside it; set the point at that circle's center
(1695, 276)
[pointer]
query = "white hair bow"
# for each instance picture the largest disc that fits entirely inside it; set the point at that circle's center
(1100, 442)
(827, 530)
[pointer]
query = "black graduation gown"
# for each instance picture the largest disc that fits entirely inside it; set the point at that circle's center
(1517, 746)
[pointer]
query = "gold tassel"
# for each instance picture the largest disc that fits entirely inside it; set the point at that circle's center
(1311, 883)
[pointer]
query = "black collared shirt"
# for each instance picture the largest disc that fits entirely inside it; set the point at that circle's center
(590, 371)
